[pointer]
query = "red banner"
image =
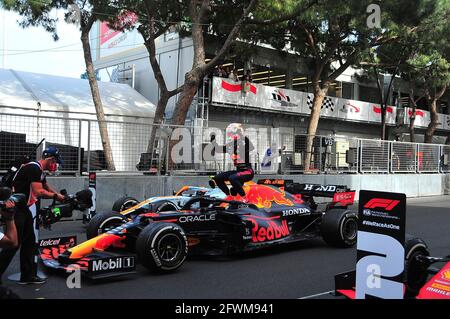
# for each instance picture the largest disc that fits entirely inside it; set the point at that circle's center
(236, 87)
(418, 113)
(377, 109)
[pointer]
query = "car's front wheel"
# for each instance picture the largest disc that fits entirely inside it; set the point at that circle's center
(339, 228)
(416, 273)
(162, 247)
(104, 222)
(124, 203)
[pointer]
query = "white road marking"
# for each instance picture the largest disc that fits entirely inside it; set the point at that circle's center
(317, 295)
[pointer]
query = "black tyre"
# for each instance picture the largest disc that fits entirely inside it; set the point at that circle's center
(103, 222)
(162, 247)
(124, 203)
(416, 274)
(164, 207)
(339, 228)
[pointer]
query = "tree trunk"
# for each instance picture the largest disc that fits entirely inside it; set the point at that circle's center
(433, 112)
(434, 122)
(319, 96)
(191, 84)
(383, 121)
(412, 118)
(159, 116)
(182, 107)
(97, 99)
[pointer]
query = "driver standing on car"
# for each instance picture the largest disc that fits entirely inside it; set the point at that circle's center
(239, 149)
(31, 180)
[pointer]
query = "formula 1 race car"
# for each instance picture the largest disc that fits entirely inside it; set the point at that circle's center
(205, 221)
(419, 266)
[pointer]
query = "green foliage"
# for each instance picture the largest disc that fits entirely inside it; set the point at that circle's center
(432, 70)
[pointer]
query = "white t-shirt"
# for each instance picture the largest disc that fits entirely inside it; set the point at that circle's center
(1, 235)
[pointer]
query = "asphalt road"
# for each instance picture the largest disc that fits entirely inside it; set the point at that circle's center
(295, 271)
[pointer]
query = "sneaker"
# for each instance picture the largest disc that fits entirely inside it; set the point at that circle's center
(32, 280)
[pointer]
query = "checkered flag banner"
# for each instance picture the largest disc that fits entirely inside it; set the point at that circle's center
(328, 103)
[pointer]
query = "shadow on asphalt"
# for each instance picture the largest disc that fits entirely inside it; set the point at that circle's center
(264, 252)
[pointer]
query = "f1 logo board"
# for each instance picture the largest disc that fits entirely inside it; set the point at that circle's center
(381, 239)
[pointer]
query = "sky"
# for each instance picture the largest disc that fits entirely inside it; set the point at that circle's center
(63, 57)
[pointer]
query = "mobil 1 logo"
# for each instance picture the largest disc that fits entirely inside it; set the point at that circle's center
(381, 239)
(111, 265)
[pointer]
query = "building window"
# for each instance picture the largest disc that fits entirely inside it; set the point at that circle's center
(369, 94)
(348, 90)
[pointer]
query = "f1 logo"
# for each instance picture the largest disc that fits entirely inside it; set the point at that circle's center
(387, 204)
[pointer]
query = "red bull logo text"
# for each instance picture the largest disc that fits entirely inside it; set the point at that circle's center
(268, 232)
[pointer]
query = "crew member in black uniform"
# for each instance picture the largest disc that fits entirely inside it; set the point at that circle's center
(9, 238)
(239, 149)
(30, 180)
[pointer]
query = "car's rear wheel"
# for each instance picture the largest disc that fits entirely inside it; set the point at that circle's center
(339, 228)
(416, 274)
(164, 206)
(104, 222)
(162, 247)
(124, 203)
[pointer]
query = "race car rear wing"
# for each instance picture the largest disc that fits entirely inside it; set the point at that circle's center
(342, 195)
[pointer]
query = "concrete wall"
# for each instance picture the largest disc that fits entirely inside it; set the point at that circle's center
(110, 188)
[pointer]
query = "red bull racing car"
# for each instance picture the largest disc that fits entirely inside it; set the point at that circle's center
(161, 232)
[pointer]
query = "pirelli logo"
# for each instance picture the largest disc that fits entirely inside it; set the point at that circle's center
(386, 204)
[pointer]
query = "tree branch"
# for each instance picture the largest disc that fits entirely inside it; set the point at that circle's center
(286, 17)
(176, 91)
(344, 66)
(231, 37)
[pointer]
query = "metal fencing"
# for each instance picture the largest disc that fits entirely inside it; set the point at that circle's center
(403, 158)
(189, 150)
(374, 156)
(445, 159)
(428, 158)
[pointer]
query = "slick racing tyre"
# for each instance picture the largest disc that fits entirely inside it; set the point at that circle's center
(103, 222)
(339, 228)
(416, 274)
(164, 207)
(162, 247)
(124, 203)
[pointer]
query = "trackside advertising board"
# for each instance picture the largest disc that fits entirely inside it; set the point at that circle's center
(381, 238)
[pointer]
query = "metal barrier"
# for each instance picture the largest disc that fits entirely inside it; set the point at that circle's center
(403, 157)
(374, 156)
(275, 151)
(445, 159)
(20, 134)
(428, 157)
